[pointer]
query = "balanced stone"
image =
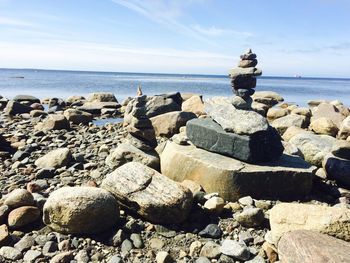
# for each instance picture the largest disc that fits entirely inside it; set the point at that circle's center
(288, 177)
(264, 145)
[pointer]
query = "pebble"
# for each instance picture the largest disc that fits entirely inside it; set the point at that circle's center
(25, 243)
(10, 253)
(211, 231)
(234, 249)
(19, 197)
(126, 246)
(250, 217)
(202, 260)
(31, 255)
(163, 257)
(210, 250)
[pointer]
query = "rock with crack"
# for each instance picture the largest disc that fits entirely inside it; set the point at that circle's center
(288, 177)
(149, 193)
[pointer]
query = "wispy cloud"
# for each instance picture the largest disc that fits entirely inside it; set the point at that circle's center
(341, 46)
(5, 21)
(216, 31)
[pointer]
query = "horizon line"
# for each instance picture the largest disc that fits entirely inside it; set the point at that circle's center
(157, 73)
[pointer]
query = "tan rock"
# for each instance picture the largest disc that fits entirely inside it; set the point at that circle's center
(192, 185)
(19, 197)
(149, 193)
(5, 237)
(275, 113)
(168, 124)
(310, 247)
(233, 179)
(344, 129)
(77, 116)
(53, 122)
(325, 126)
(194, 104)
(329, 111)
(55, 158)
(302, 111)
(286, 217)
(80, 210)
(283, 123)
(101, 97)
(269, 98)
(23, 216)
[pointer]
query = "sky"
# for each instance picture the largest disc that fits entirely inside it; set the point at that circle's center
(299, 37)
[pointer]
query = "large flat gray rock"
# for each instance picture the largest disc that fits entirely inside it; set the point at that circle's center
(289, 177)
(261, 146)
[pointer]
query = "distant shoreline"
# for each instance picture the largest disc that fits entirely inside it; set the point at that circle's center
(166, 74)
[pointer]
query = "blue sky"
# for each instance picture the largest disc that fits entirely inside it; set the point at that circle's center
(304, 37)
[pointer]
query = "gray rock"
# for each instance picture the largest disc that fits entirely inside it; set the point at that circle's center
(242, 103)
(136, 240)
(80, 210)
(13, 108)
(258, 147)
(337, 169)
(25, 243)
(26, 98)
(313, 147)
(53, 122)
(149, 193)
(119, 237)
(250, 217)
(101, 97)
(234, 249)
(244, 92)
(115, 259)
(49, 248)
(202, 260)
(10, 253)
(77, 116)
(125, 153)
(248, 72)
(283, 123)
(257, 259)
(341, 149)
(126, 246)
(211, 231)
(31, 256)
(241, 122)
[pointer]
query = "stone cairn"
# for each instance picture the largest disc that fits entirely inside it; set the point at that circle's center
(243, 80)
(140, 129)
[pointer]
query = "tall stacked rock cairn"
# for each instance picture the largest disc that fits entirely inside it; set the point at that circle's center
(140, 130)
(243, 80)
(233, 128)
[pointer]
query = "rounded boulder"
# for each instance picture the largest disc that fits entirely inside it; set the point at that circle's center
(80, 210)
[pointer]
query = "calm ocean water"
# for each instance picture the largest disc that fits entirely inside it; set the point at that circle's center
(52, 83)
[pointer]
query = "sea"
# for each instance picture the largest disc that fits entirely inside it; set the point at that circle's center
(62, 84)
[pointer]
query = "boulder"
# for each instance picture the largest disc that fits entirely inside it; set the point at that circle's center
(344, 129)
(19, 197)
(337, 169)
(302, 111)
(53, 122)
(241, 122)
(168, 124)
(101, 97)
(75, 99)
(324, 126)
(5, 238)
(23, 216)
(128, 153)
(13, 108)
(80, 210)
(290, 176)
(26, 98)
(194, 104)
(269, 98)
(326, 110)
(313, 147)
(286, 217)
(291, 131)
(55, 158)
(283, 123)
(77, 116)
(309, 247)
(341, 149)
(264, 145)
(149, 193)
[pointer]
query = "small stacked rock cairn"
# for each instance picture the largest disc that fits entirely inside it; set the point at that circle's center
(243, 80)
(141, 132)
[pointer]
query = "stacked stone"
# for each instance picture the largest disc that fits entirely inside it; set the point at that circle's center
(141, 132)
(243, 80)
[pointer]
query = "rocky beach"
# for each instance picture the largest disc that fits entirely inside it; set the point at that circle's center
(179, 178)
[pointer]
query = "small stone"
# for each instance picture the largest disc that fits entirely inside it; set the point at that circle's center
(5, 237)
(31, 256)
(82, 256)
(126, 246)
(119, 237)
(211, 231)
(210, 250)
(163, 257)
(55, 159)
(50, 247)
(257, 259)
(246, 201)
(19, 197)
(115, 259)
(234, 249)
(195, 248)
(4, 210)
(202, 260)
(10, 253)
(136, 240)
(25, 243)
(215, 205)
(156, 243)
(64, 257)
(251, 217)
